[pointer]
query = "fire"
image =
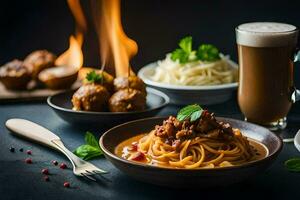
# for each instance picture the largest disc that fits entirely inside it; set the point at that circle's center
(115, 47)
(78, 14)
(73, 56)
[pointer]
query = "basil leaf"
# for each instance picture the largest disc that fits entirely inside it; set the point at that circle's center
(93, 155)
(195, 115)
(192, 111)
(91, 140)
(293, 164)
(208, 52)
(87, 152)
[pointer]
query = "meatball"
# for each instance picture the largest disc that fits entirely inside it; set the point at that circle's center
(39, 60)
(90, 97)
(15, 75)
(60, 77)
(127, 100)
(133, 82)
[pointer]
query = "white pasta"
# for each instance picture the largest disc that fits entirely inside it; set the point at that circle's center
(194, 72)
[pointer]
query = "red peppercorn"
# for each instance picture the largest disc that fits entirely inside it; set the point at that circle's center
(28, 160)
(54, 162)
(29, 152)
(66, 184)
(63, 166)
(45, 171)
(46, 178)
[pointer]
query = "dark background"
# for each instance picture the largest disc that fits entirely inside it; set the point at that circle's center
(155, 25)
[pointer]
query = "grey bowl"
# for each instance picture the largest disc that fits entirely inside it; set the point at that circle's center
(183, 178)
(183, 95)
(61, 104)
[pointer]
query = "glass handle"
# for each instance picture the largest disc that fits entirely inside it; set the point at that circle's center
(296, 94)
(297, 55)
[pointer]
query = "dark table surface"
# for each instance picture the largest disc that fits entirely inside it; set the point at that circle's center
(19, 180)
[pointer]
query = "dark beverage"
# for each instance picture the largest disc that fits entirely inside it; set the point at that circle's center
(266, 71)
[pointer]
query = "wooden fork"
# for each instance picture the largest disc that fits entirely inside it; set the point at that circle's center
(42, 135)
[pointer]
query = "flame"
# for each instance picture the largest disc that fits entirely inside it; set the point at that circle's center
(73, 56)
(78, 14)
(115, 47)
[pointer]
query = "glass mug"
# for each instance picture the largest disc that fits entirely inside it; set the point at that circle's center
(266, 52)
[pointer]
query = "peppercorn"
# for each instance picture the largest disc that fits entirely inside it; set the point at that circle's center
(12, 149)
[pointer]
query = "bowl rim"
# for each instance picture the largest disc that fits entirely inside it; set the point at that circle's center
(149, 90)
(297, 140)
(136, 164)
(141, 74)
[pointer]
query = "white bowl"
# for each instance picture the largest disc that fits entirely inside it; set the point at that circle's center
(297, 140)
(182, 95)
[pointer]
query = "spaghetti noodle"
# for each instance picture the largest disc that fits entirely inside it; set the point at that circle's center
(205, 143)
(194, 72)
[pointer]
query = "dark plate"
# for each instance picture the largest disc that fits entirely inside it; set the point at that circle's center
(182, 178)
(61, 104)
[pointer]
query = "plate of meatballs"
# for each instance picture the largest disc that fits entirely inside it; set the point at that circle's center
(104, 101)
(36, 76)
(39, 67)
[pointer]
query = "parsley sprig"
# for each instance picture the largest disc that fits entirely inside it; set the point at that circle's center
(94, 77)
(184, 54)
(208, 52)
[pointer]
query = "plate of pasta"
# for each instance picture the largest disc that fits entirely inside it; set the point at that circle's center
(194, 148)
(204, 75)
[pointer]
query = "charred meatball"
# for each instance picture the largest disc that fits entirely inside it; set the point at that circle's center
(39, 60)
(15, 75)
(133, 82)
(127, 100)
(90, 97)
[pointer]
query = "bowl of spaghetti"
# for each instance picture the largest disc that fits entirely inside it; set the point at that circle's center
(204, 76)
(191, 150)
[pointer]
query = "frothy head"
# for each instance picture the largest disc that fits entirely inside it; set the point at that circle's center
(266, 34)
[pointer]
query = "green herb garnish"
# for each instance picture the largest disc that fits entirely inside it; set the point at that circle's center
(205, 52)
(89, 150)
(293, 164)
(183, 53)
(192, 111)
(93, 77)
(208, 52)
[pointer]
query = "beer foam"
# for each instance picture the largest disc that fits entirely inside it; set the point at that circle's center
(266, 34)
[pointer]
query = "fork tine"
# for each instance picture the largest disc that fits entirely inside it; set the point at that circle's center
(100, 172)
(87, 176)
(89, 172)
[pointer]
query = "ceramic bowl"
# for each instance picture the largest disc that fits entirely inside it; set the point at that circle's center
(183, 95)
(61, 104)
(183, 178)
(297, 141)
